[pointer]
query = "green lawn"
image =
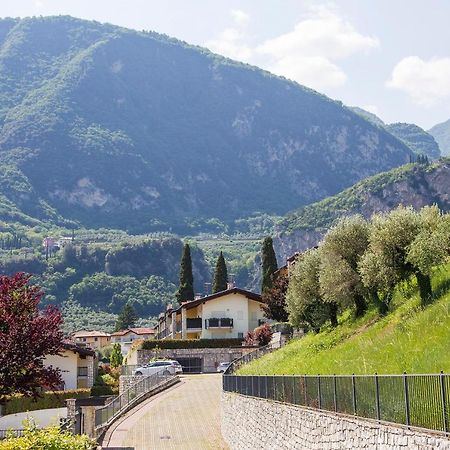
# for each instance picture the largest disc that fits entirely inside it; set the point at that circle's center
(410, 339)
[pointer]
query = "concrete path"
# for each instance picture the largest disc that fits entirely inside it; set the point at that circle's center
(184, 417)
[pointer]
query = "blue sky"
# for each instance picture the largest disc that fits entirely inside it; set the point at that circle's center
(391, 57)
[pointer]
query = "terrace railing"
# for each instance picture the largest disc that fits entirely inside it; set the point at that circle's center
(133, 395)
(193, 323)
(222, 322)
(417, 401)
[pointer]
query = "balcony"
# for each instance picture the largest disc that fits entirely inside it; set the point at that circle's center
(194, 324)
(223, 322)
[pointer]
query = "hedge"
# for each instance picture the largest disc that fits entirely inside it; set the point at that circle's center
(49, 399)
(151, 344)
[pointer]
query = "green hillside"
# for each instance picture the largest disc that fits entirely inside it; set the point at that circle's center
(441, 133)
(412, 184)
(416, 138)
(410, 339)
(111, 127)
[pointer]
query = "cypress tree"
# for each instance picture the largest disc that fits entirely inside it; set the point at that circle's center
(220, 281)
(127, 318)
(269, 264)
(186, 290)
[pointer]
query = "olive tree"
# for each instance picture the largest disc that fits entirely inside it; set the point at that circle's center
(304, 300)
(341, 250)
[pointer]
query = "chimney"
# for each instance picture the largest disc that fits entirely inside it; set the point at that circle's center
(230, 285)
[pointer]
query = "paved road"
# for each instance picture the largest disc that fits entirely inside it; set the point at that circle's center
(185, 417)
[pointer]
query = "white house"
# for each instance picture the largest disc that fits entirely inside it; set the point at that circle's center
(226, 314)
(126, 337)
(77, 365)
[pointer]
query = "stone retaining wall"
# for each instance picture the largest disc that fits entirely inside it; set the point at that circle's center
(211, 357)
(251, 423)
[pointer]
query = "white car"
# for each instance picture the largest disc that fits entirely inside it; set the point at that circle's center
(223, 366)
(165, 367)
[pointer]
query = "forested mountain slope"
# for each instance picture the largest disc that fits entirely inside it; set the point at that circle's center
(413, 184)
(134, 130)
(441, 133)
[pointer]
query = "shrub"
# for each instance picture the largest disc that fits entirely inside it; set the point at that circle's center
(49, 399)
(100, 387)
(47, 439)
(261, 335)
(191, 343)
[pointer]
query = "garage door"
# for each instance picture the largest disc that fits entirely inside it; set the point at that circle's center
(191, 365)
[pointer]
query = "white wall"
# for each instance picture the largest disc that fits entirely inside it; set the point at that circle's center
(68, 366)
(233, 306)
(42, 418)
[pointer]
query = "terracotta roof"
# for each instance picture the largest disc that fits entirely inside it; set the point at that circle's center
(93, 333)
(235, 290)
(135, 331)
(83, 351)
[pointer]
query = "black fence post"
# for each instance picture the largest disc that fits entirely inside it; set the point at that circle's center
(319, 393)
(267, 387)
(306, 395)
(335, 392)
(293, 390)
(377, 396)
(354, 393)
(444, 401)
(284, 388)
(406, 391)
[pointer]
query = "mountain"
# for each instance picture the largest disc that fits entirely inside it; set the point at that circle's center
(416, 138)
(414, 185)
(441, 132)
(105, 126)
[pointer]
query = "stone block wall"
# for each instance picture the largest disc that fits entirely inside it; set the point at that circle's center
(211, 357)
(249, 423)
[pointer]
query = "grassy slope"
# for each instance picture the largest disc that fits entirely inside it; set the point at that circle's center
(408, 339)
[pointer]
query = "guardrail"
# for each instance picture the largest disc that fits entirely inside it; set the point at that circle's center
(109, 412)
(417, 401)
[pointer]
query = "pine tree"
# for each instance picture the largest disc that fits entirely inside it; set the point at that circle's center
(269, 264)
(116, 357)
(186, 290)
(220, 281)
(127, 318)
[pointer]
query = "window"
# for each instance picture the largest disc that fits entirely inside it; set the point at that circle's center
(82, 371)
(240, 335)
(95, 339)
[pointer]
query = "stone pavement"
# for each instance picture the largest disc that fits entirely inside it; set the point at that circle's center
(185, 417)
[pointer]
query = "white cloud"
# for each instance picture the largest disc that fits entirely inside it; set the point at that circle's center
(239, 17)
(425, 82)
(39, 4)
(313, 71)
(231, 43)
(307, 54)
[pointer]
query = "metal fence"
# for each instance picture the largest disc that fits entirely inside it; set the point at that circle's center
(10, 433)
(132, 395)
(421, 401)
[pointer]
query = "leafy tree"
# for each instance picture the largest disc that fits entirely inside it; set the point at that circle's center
(305, 303)
(27, 336)
(341, 250)
(385, 263)
(186, 289)
(269, 264)
(116, 357)
(220, 282)
(127, 318)
(274, 299)
(429, 248)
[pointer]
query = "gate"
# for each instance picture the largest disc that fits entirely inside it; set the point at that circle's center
(191, 365)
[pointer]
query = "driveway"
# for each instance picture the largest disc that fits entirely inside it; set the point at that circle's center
(184, 417)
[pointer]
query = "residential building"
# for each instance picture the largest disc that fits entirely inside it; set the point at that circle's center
(93, 339)
(126, 337)
(226, 314)
(78, 366)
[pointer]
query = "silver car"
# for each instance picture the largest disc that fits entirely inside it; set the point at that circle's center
(223, 366)
(166, 367)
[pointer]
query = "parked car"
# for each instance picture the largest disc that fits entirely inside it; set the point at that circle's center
(223, 366)
(165, 367)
